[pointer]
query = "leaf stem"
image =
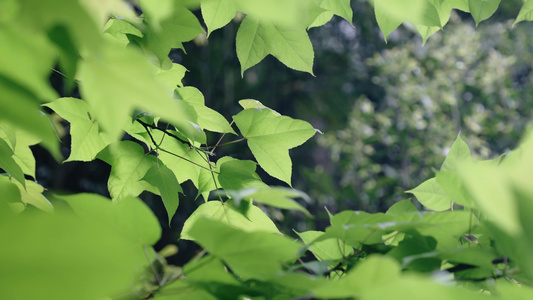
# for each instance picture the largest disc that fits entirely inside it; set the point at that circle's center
(224, 144)
(166, 132)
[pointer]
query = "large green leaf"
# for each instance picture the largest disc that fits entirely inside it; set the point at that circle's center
(61, 256)
(217, 13)
(167, 184)
(257, 39)
(117, 80)
(254, 218)
(431, 195)
(21, 63)
(251, 255)
(8, 164)
(87, 140)
(482, 9)
(270, 137)
(129, 165)
(131, 217)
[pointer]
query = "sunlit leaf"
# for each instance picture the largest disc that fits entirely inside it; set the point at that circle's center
(129, 165)
(167, 184)
(331, 249)
(256, 39)
(32, 193)
(526, 13)
(8, 164)
(270, 137)
(87, 140)
(258, 255)
(253, 220)
(431, 195)
(482, 9)
(333, 7)
(20, 142)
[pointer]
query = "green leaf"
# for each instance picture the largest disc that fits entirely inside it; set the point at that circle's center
(117, 80)
(8, 164)
(110, 259)
(458, 154)
(452, 186)
(401, 207)
(251, 255)
(180, 26)
(254, 219)
(207, 118)
(87, 140)
(526, 13)
(131, 217)
(19, 61)
(129, 165)
(119, 31)
(32, 193)
(238, 174)
(20, 142)
(251, 103)
(482, 9)
(171, 77)
(390, 14)
(331, 249)
(270, 137)
(340, 8)
(290, 45)
(431, 195)
(370, 274)
(217, 13)
(167, 184)
(10, 196)
(19, 108)
(273, 196)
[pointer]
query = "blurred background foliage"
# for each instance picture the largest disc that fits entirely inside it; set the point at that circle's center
(389, 111)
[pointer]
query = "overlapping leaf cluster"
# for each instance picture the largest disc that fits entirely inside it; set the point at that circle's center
(85, 246)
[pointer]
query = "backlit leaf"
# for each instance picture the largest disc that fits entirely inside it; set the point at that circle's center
(482, 9)
(254, 220)
(331, 249)
(167, 184)
(270, 137)
(431, 195)
(526, 13)
(8, 164)
(256, 254)
(87, 140)
(256, 39)
(129, 165)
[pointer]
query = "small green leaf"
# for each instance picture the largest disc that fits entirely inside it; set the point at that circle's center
(270, 137)
(251, 103)
(273, 196)
(32, 193)
(120, 29)
(431, 195)
(167, 184)
(331, 249)
(87, 140)
(129, 165)
(207, 118)
(340, 8)
(22, 153)
(458, 154)
(482, 9)
(217, 13)
(254, 220)
(256, 39)
(8, 164)
(526, 13)
(401, 207)
(251, 255)
(238, 174)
